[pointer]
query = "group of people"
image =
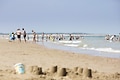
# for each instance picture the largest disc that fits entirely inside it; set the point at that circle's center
(21, 33)
(112, 37)
(18, 33)
(58, 37)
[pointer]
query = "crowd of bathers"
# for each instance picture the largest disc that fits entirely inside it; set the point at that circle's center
(21, 34)
(113, 37)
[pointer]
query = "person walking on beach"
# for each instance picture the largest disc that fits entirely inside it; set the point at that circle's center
(34, 35)
(18, 33)
(24, 34)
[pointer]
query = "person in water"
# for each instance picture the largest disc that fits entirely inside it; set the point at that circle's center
(70, 37)
(34, 35)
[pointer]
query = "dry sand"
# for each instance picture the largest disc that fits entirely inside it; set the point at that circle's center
(36, 56)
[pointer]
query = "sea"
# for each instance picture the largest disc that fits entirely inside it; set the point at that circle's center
(91, 44)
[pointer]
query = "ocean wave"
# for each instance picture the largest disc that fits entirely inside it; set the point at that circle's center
(72, 45)
(70, 42)
(104, 50)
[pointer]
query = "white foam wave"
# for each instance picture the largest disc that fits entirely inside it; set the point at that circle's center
(69, 42)
(72, 45)
(85, 45)
(104, 50)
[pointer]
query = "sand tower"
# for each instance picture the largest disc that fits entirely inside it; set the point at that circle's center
(62, 72)
(87, 73)
(53, 69)
(36, 70)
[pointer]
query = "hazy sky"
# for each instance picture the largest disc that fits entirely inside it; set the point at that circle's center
(87, 16)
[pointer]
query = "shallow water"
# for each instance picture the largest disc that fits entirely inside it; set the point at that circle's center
(79, 50)
(92, 45)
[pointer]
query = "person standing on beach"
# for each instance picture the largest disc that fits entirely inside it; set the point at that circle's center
(34, 35)
(24, 34)
(42, 36)
(18, 33)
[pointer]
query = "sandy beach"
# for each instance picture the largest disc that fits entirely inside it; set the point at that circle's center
(36, 57)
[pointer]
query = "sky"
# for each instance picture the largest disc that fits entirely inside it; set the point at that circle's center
(66, 16)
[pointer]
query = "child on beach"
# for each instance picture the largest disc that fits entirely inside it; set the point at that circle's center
(12, 36)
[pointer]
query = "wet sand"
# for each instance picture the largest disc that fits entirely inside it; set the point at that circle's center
(36, 57)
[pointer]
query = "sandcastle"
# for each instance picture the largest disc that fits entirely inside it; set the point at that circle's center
(61, 72)
(75, 69)
(53, 69)
(87, 73)
(80, 70)
(36, 70)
